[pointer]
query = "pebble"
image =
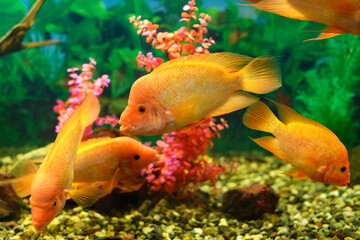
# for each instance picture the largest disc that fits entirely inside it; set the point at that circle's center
(223, 222)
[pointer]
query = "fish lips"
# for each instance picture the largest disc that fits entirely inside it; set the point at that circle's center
(126, 127)
(40, 224)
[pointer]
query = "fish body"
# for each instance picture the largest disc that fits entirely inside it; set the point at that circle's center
(98, 159)
(100, 164)
(55, 175)
(311, 148)
(185, 91)
(339, 16)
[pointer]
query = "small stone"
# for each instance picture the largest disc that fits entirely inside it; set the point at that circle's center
(100, 234)
(209, 231)
(147, 229)
(334, 193)
(198, 231)
(223, 222)
(169, 229)
(77, 209)
(157, 217)
(254, 231)
(283, 230)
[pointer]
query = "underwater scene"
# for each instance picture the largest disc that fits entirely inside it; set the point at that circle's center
(186, 119)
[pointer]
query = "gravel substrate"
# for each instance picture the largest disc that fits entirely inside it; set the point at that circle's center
(306, 210)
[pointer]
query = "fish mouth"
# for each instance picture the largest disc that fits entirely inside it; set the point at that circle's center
(40, 225)
(126, 127)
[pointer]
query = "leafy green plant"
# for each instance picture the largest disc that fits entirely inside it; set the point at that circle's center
(331, 91)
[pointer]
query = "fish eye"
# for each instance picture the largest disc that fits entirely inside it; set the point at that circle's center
(54, 204)
(343, 169)
(141, 108)
(136, 157)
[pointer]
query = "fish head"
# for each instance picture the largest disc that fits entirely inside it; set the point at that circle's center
(45, 206)
(338, 172)
(144, 115)
(141, 156)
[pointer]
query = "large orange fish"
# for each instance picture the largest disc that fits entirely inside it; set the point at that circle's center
(308, 146)
(340, 16)
(185, 91)
(100, 162)
(55, 175)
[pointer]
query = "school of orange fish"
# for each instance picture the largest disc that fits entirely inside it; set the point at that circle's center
(181, 94)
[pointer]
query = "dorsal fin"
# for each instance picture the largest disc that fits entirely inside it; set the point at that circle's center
(92, 141)
(232, 62)
(288, 115)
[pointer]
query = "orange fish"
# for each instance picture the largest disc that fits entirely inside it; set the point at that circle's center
(308, 146)
(104, 161)
(54, 177)
(185, 91)
(340, 16)
(100, 163)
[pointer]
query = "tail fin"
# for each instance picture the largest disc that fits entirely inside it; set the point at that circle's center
(259, 117)
(261, 76)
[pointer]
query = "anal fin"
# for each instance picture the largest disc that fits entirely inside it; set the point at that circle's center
(297, 174)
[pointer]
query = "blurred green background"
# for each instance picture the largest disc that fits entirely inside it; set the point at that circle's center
(320, 78)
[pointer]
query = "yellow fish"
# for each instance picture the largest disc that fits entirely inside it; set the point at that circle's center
(55, 175)
(311, 148)
(341, 16)
(185, 91)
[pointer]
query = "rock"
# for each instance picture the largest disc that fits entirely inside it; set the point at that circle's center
(9, 200)
(250, 202)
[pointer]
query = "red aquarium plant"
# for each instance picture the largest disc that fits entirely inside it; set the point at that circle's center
(187, 40)
(80, 85)
(183, 164)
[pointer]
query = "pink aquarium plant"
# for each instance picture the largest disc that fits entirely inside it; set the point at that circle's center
(80, 85)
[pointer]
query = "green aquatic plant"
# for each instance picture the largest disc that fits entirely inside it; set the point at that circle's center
(331, 91)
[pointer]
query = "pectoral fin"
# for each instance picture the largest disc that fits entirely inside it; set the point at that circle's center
(25, 172)
(86, 195)
(297, 174)
(186, 111)
(22, 185)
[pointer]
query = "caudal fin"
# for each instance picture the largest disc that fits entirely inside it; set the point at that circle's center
(261, 76)
(259, 117)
